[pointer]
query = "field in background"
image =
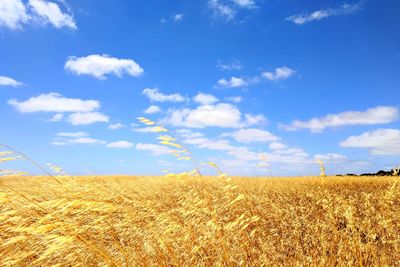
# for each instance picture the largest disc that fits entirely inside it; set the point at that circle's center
(130, 221)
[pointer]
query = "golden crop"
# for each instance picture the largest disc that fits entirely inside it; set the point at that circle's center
(192, 221)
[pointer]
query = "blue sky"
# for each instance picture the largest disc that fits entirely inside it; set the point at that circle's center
(251, 85)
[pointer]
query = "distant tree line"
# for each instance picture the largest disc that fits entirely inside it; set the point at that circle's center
(393, 172)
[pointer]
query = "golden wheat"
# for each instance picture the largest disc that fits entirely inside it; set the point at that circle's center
(142, 221)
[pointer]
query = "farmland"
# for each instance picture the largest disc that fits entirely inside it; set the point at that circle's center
(187, 220)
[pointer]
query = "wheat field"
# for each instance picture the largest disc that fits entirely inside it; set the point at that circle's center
(185, 220)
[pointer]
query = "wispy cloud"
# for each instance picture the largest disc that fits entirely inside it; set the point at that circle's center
(7, 81)
(331, 158)
(372, 116)
(156, 150)
(120, 144)
(320, 14)
(278, 74)
(154, 95)
(234, 99)
(116, 126)
(234, 65)
(71, 138)
(177, 17)
(227, 10)
(152, 109)
(253, 135)
(233, 82)
(56, 117)
(99, 66)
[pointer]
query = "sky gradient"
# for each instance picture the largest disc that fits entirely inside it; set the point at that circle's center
(255, 86)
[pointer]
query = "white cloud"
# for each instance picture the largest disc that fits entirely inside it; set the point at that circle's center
(220, 10)
(228, 9)
(186, 133)
(205, 99)
(233, 82)
(154, 149)
(202, 142)
(84, 118)
(234, 99)
(86, 140)
(378, 142)
(281, 73)
(7, 81)
(154, 95)
(73, 134)
(253, 135)
(245, 3)
(244, 154)
(116, 126)
(277, 146)
(54, 102)
(120, 144)
(255, 119)
(70, 138)
(51, 13)
(144, 130)
(345, 9)
(177, 17)
(331, 158)
(99, 66)
(56, 117)
(219, 115)
(152, 109)
(13, 14)
(234, 65)
(377, 115)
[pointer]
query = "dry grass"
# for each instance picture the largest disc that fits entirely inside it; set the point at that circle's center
(134, 221)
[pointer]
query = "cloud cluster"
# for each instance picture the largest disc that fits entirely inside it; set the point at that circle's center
(377, 115)
(14, 14)
(99, 66)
